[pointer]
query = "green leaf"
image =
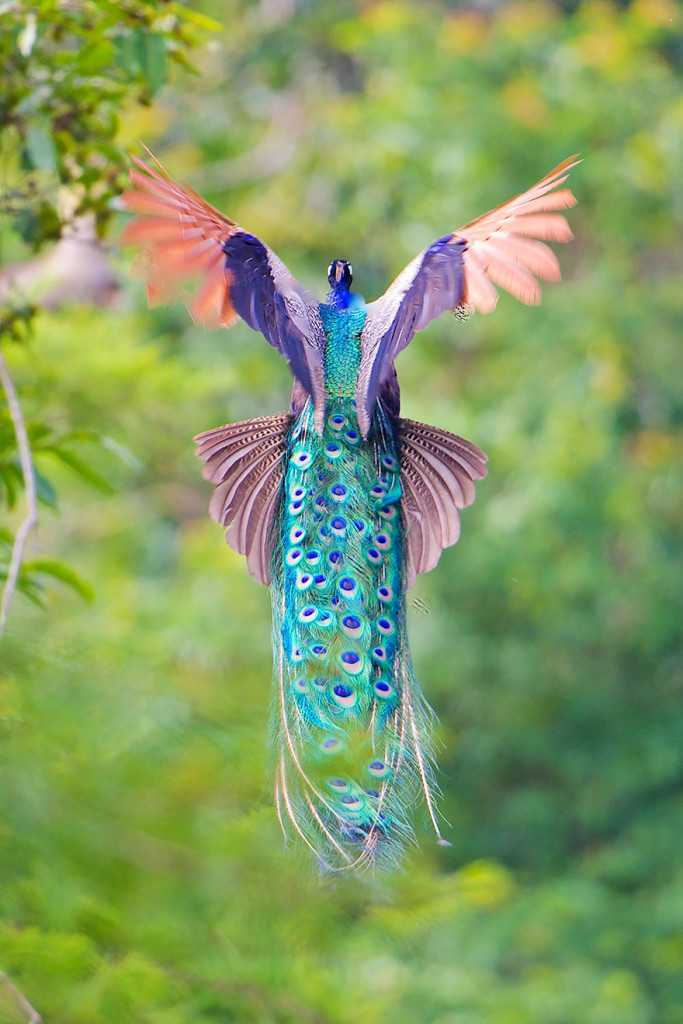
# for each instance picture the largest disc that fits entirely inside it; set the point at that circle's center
(37, 432)
(45, 491)
(151, 51)
(95, 58)
(121, 452)
(200, 20)
(40, 149)
(10, 477)
(60, 571)
(125, 54)
(85, 471)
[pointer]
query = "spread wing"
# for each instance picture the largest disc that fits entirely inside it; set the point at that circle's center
(184, 238)
(505, 247)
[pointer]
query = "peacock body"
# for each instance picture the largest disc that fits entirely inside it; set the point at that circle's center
(340, 504)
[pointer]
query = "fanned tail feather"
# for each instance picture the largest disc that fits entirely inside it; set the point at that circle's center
(244, 460)
(351, 727)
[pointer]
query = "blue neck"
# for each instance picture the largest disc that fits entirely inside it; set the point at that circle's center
(339, 297)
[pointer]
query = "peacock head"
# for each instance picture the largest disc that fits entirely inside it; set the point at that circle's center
(340, 274)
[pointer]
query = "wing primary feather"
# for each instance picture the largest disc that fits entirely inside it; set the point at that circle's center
(479, 292)
(551, 227)
(536, 257)
(245, 461)
(498, 246)
(509, 275)
(438, 471)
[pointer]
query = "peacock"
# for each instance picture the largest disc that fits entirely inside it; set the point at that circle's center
(340, 503)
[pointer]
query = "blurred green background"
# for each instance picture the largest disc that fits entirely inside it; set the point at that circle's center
(142, 871)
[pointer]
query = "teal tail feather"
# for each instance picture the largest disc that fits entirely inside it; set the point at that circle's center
(352, 729)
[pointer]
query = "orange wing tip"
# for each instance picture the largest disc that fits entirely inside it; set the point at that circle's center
(562, 200)
(150, 170)
(479, 292)
(143, 203)
(551, 227)
(506, 246)
(536, 257)
(182, 238)
(211, 305)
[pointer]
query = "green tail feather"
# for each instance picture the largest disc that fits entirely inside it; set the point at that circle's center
(353, 730)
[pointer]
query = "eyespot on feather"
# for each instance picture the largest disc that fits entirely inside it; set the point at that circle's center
(348, 587)
(308, 614)
(344, 695)
(301, 458)
(351, 662)
(338, 785)
(352, 626)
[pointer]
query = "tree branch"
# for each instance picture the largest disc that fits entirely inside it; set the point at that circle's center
(29, 475)
(32, 1015)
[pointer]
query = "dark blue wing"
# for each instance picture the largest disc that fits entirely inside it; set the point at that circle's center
(426, 288)
(266, 296)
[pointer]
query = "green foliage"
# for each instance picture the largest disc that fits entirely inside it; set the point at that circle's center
(143, 877)
(67, 70)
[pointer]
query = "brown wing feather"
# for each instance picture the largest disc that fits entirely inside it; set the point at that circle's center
(245, 461)
(221, 448)
(182, 237)
(498, 247)
(260, 552)
(416, 535)
(438, 470)
(238, 483)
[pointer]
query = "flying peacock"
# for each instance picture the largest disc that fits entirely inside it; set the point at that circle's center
(339, 504)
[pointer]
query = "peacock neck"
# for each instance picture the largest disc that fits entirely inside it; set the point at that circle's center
(342, 349)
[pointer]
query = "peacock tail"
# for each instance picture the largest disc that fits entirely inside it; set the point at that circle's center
(340, 504)
(351, 725)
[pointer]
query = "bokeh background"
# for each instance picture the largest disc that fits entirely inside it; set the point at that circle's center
(142, 870)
